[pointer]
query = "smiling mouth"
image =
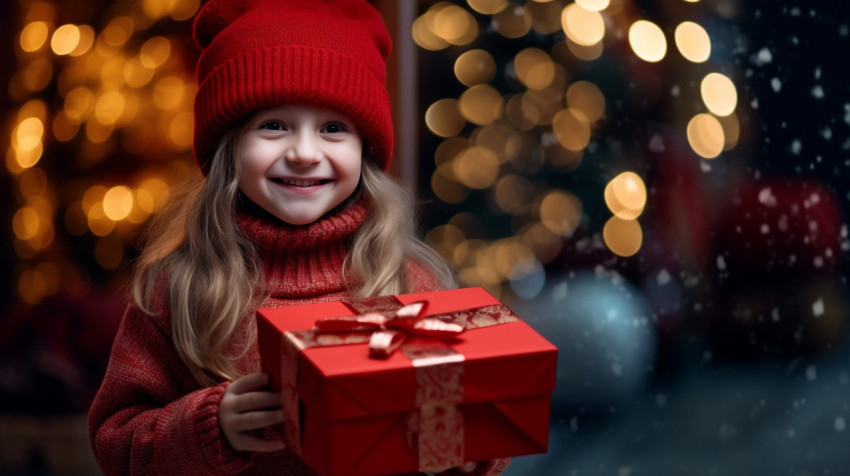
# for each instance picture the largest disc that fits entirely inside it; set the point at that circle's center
(300, 182)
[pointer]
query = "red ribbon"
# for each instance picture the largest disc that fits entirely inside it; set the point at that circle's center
(391, 328)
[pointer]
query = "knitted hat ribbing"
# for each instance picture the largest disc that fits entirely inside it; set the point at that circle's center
(265, 53)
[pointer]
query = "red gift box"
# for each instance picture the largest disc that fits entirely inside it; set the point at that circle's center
(352, 414)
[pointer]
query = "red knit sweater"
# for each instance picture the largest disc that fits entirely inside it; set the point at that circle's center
(151, 417)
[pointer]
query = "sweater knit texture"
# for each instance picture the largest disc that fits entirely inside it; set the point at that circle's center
(150, 416)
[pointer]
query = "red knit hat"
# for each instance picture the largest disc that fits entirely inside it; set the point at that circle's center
(265, 53)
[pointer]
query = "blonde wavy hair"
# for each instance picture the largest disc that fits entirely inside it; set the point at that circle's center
(198, 265)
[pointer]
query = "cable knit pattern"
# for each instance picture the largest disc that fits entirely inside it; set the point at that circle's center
(150, 417)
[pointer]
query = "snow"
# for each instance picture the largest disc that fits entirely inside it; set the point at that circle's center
(818, 308)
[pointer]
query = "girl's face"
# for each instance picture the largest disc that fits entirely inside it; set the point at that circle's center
(299, 162)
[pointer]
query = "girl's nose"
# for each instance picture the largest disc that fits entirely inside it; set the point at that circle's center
(304, 150)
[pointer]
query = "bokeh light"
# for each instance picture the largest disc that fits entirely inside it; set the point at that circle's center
(34, 36)
(488, 7)
(582, 26)
(65, 39)
(586, 97)
(719, 94)
(692, 41)
(512, 22)
(623, 237)
(444, 119)
(481, 104)
(705, 135)
(534, 68)
(647, 41)
(560, 212)
(572, 129)
(625, 195)
(475, 67)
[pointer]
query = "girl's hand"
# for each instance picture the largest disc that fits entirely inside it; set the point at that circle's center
(483, 468)
(244, 407)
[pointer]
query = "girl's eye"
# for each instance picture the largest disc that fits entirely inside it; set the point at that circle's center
(273, 126)
(333, 128)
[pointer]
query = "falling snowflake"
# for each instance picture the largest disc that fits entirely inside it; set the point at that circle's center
(818, 308)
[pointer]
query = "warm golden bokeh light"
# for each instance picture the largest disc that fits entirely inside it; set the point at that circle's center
(447, 189)
(512, 22)
(33, 108)
(625, 195)
(36, 76)
(584, 52)
(586, 97)
(582, 26)
(705, 135)
(158, 191)
(719, 94)
(424, 37)
(534, 68)
(595, 5)
(475, 67)
(560, 212)
(169, 92)
(481, 104)
(693, 42)
(99, 224)
(118, 202)
(513, 193)
(98, 132)
(86, 41)
(26, 223)
(28, 134)
(181, 130)
(65, 39)
(136, 74)
(731, 130)
(118, 31)
(493, 136)
(34, 36)
(543, 243)
(545, 16)
(571, 128)
(155, 52)
(647, 41)
(109, 107)
(476, 167)
(444, 119)
(488, 7)
(623, 237)
(453, 24)
(79, 103)
(183, 9)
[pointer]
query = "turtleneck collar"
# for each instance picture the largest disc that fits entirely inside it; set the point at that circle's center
(302, 262)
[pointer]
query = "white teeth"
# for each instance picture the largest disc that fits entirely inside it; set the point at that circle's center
(300, 183)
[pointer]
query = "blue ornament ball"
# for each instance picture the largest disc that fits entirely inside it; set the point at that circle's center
(604, 331)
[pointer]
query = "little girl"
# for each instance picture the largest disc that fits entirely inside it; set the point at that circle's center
(292, 136)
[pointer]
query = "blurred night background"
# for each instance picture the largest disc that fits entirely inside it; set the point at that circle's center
(660, 187)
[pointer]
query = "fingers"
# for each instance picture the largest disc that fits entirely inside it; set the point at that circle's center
(245, 407)
(248, 382)
(252, 401)
(468, 467)
(246, 442)
(254, 420)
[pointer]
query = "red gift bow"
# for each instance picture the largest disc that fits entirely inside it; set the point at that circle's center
(390, 329)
